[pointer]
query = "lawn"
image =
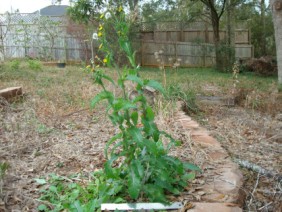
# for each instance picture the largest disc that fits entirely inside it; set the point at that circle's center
(51, 129)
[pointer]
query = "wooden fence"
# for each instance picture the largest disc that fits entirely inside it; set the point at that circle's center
(187, 54)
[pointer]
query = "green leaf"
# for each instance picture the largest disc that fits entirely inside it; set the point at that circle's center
(42, 208)
(113, 139)
(101, 96)
(119, 200)
(137, 168)
(151, 146)
(108, 78)
(122, 104)
(40, 181)
(109, 170)
(78, 206)
(134, 117)
(189, 176)
(135, 134)
(155, 193)
(191, 166)
(135, 78)
(150, 114)
(134, 184)
(156, 85)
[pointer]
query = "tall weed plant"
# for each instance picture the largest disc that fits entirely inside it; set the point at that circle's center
(138, 166)
(146, 171)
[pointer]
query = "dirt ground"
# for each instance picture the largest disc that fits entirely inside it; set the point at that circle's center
(36, 143)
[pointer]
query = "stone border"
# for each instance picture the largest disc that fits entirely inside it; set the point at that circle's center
(223, 191)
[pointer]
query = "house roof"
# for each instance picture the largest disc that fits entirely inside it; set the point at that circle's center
(54, 10)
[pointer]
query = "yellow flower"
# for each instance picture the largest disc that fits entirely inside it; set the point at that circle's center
(100, 27)
(102, 16)
(100, 34)
(88, 66)
(120, 8)
(105, 60)
(101, 45)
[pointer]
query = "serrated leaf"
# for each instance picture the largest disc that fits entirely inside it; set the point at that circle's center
(134, 184)
(101, 96)
(156, 85)
(136, 134)
(191, 166)
(137, 168)
(40, 181)
(151, 146)
(149, 127)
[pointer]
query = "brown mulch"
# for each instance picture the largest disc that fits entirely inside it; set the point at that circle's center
(255, 137)
(36, 145)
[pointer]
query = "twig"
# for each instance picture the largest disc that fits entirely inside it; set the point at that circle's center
(253, 192)
(257, 168)
(265, 206)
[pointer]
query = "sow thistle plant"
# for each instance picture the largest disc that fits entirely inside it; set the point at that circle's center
(136, 156)
(138, 166)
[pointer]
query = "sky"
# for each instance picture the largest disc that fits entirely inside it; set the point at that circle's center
(25, 6)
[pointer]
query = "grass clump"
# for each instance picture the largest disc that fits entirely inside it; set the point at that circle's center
(34, 65)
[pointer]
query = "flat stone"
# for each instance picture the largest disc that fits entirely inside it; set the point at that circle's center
(187, 118)
(214, 207)
(229, 182)
(11, 92)
(217, 155)
(200, 132)
(206, 140)
(190, 124)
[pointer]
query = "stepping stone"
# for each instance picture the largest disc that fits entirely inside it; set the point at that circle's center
(206, 140)
(214, 207)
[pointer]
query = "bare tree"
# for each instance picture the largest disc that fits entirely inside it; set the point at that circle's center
(276, 6)
(216, 9)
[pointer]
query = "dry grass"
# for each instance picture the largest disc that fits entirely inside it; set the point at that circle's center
(52, 129)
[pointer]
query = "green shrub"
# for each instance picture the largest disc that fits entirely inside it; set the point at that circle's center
(14, 64)
(34, 65)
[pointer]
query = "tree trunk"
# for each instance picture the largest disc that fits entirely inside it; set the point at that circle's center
(219, 64)
(262, 16)
(230, 33)
(276, 7)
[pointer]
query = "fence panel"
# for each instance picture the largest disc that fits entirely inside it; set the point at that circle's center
(187, 54)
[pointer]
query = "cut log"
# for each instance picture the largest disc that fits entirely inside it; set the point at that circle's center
(9, 93)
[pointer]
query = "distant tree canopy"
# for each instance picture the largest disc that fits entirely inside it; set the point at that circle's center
(221, 14)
